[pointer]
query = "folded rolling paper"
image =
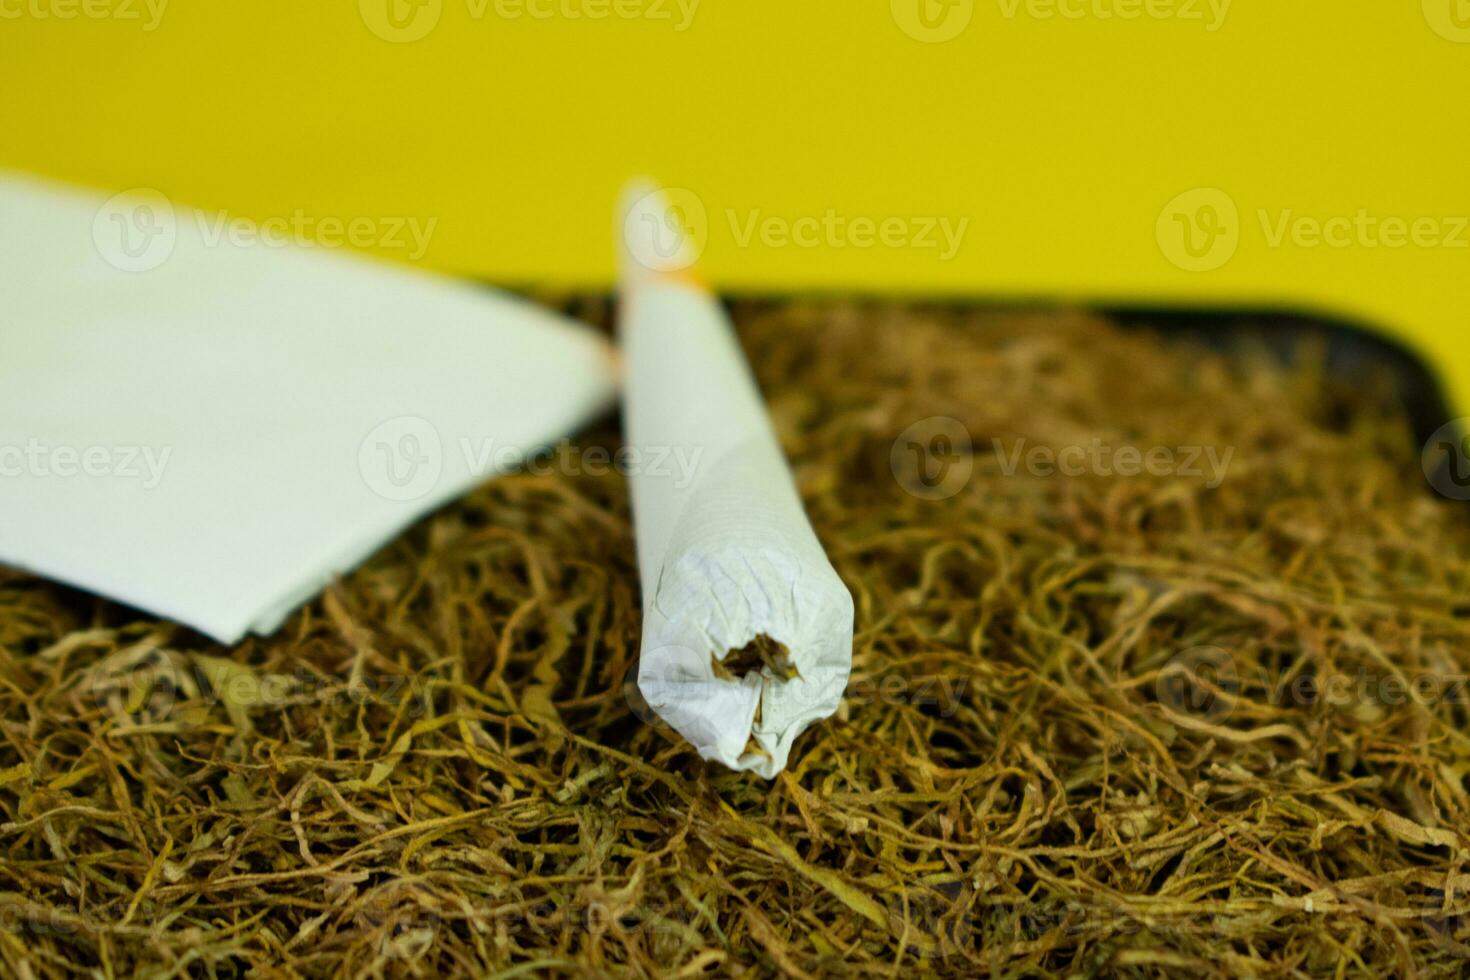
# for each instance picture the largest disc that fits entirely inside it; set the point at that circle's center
(727, 556)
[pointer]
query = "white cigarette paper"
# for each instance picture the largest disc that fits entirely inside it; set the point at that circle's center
(212, 429)
(725, 552)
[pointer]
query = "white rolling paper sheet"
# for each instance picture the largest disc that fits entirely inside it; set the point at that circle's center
(728, 555)
(210, 428)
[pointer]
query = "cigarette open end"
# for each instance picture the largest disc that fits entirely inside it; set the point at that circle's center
(767, 659)
(761, 690)
(760, 654)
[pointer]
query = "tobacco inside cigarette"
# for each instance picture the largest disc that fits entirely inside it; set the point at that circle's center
(747, 629)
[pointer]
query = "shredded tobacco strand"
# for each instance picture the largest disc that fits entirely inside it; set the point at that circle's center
(760, 653)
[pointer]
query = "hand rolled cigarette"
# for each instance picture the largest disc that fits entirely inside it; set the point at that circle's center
(747, 630)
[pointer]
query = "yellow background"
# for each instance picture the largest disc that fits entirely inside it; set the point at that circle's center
(1062, 138)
